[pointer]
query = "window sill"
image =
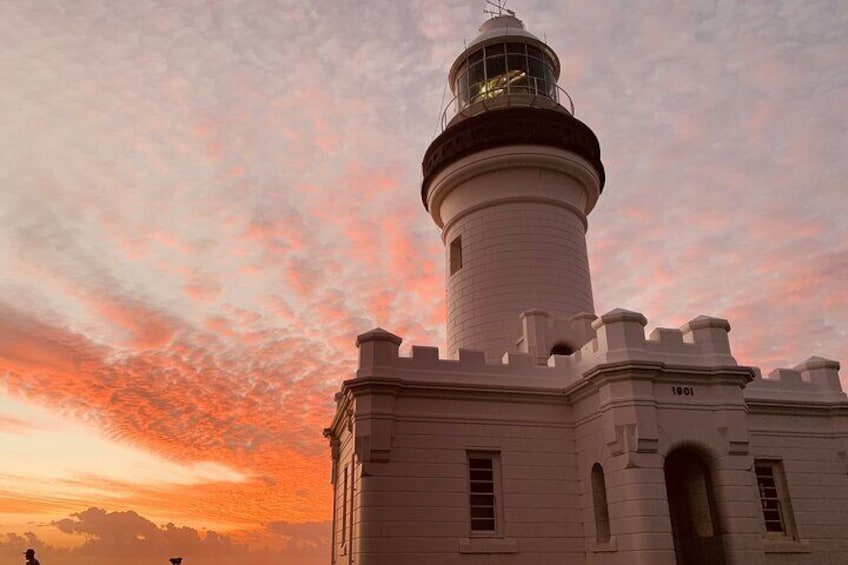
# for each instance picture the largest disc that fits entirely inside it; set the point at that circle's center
(785, 545)
(488, 545)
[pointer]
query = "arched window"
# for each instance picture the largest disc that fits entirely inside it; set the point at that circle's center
(599, 499)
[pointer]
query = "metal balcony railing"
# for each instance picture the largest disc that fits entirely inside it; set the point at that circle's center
(529, 93)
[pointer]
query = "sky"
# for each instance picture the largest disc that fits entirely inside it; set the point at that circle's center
(202, 203)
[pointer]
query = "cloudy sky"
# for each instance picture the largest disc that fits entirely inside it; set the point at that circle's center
(203, 202)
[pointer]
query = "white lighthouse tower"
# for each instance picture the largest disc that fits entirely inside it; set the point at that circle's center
(547, 434)
(510, 182)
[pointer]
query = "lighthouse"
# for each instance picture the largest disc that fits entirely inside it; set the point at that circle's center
(510, 182)
(548, 433)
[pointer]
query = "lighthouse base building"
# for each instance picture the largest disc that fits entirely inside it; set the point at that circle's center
(548, 434)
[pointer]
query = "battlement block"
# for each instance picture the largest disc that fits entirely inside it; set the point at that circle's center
(424, 357)
(814, 380)
(788, 378)
(581, 324)
(709, 333)
(518, 360)
(471, 358)
(667, 337)
(823, 373)
(563, 360)
(534, 340)
(621, 334)
(377, 347)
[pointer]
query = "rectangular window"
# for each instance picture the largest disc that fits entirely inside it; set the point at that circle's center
(774, 496)
(482, 489)
(455, 255)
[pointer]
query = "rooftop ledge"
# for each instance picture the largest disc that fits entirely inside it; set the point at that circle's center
(615, 338)
(607, 348)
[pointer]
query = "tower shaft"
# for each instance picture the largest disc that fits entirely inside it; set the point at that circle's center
(516, 255)
(511, 189)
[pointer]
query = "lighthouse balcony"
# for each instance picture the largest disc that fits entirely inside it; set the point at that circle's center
(502, 93)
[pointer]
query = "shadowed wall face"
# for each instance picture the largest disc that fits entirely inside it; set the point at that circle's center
(691, 501)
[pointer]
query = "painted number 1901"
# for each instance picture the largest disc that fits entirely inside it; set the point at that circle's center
(683, 391)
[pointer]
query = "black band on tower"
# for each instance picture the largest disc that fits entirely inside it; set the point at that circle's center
(510, 126)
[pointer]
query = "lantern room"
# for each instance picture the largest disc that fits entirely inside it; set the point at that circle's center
(504, 66)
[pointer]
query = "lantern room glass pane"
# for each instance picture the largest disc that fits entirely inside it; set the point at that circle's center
(475, 73)
(476, 79)
(550, 81)
(516, 76)
(537, 76)
(516, 63)
(495, 67)
(461, 87)
(516, 48)
(494, 49)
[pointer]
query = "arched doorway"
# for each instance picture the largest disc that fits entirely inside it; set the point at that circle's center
(691, 503)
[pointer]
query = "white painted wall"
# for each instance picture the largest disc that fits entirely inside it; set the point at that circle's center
(521, 215)
(412, 421)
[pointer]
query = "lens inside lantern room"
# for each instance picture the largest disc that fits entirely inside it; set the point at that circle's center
(505, 68)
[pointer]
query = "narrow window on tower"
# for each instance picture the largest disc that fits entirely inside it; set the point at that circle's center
(599, 499)
(455, 255)
(482, 483)
(774, 496)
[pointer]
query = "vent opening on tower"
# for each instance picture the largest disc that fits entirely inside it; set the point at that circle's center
(455, 255)
(562, 349)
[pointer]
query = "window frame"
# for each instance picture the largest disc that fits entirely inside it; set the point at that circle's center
(776, 478)
(494, 458)
(603, 531)
(455, 255)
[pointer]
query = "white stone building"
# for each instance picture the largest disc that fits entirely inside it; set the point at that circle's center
(550, 435)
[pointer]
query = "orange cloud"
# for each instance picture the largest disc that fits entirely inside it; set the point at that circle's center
(128, 538)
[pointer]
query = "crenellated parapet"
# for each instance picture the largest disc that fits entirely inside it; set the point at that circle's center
(379, 358)
(613, 338)
(816, 379)
(620, 337)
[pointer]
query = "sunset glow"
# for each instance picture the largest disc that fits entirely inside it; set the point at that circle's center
(203, 203)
